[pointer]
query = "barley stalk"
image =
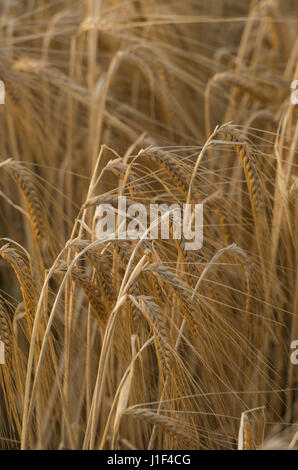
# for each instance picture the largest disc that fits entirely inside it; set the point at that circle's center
(24, 274)
(32, 198)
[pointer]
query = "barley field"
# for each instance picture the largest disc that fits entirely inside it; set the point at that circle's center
(111, 343)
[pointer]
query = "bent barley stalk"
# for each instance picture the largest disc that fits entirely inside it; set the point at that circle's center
(24, 273)
(170, 426)
(5, 330)
(249, 163)
(32, 197)
(154, 315)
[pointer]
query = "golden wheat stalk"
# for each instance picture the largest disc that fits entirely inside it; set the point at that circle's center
(93, 294)
(182, 291)
(154, 316)
(174, 428)
(104, 276)
(32, 196)
(23, 270)
(249, 163)
(167, 162)
(5, 330)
